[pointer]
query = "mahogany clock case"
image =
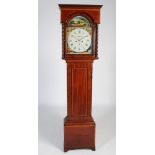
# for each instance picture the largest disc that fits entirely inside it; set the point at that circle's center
(79, 126)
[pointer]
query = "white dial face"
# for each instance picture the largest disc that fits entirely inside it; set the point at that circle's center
(79, 40)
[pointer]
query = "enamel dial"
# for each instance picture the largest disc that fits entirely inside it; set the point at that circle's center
(79, 41)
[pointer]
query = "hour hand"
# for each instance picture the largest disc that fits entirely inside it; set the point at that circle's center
(83, 37)
(75, 38)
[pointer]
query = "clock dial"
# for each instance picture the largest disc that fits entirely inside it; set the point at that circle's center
(79, 40)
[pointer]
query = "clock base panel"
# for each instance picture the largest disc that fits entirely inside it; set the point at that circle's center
(79, 135)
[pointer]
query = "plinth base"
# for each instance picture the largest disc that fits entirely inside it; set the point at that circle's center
(80, 135)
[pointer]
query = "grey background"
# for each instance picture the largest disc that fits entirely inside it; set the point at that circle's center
(52, 80)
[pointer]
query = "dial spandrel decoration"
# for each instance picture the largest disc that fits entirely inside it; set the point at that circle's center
(79, 36)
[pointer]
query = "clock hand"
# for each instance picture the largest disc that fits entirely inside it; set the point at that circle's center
(83, 38)
(75, 38)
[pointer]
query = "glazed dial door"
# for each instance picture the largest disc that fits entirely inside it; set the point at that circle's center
(79, 36)
(79, 40)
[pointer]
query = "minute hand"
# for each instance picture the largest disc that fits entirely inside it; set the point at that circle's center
(83, 37)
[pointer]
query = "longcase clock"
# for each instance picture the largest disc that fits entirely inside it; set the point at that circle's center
(79, 49)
